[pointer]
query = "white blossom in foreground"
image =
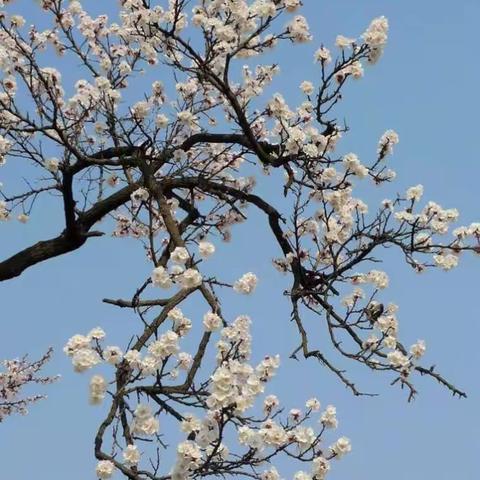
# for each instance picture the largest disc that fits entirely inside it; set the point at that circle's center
(212, 321)
(98, 388)
(271, 474)
(113, 355)
(84, 359)
(320, 467)
(96, 333)
(75, 343)
(298, 29)
(104, 469)
(161, 278)
(378, 278)
(313, 404)
(180, 255)
(165, 346)
(353, 164)
(144, 422)
(398, 359)
(341, 447)
(323, 55)
(270, 403)
(246, 283)
(131, 455)
(388, 140)
(329, 417)
(140, 195)
(418, 349)
(206, 249)
(189, 456)
(377, 33)
(446, 261)
(415, 193)
(134, 358)
(191, 278)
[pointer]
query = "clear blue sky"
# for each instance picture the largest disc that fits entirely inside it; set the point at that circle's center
(426, 88)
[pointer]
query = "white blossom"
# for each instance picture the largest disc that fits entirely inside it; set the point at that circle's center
(98, 388)
(298, 29)
(323, 55)
(329, 417)
(307, 87)
(161, 278)
(104, 469)
(131, 455)
(246, 284)
(313, 404)
(341, 447)
(211, 321)
(133, 357)
(191, 278)
(51, 164)
(140, 195)
(165, 346)
(96, 333)
(418, 349)
(84, 359)
(206, 249)
(180, 255)
(415, 193)
(344, 42)
(144, 422)
(446, 261)
(161, 121)
(398, 359)
(112, 355)
(387, 142)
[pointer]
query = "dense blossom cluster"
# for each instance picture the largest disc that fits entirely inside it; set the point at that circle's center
(233, 390)
(174, 166)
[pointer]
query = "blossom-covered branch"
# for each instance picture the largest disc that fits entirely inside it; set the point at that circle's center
(178, 168)
(14, 377)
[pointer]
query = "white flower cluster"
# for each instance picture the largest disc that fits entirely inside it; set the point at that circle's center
(246, 283)
(144, 422)
(140, 195)
(189, 278)
(386, 143)
(131, 455)
(376, 37)
(165, 346)
(234, 386)
(178, 274)
(83, 353)
(352, 163)
(189, 457)
(206, 249)
(105, 469)
(98, 388)
(298, 29)
(211, 321)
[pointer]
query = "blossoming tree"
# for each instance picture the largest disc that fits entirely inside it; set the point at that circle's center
(174, 168)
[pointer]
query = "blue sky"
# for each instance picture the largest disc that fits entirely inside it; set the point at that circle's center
(424, 87)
